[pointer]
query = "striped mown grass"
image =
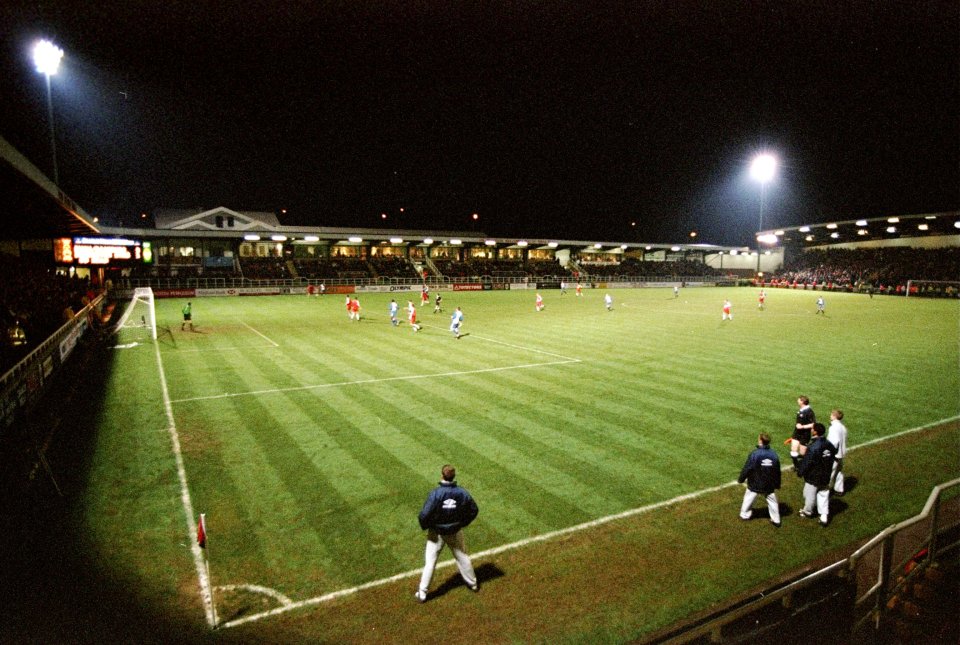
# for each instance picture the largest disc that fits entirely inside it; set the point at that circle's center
(310, 441)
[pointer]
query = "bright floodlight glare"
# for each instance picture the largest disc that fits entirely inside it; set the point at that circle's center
(763, 168)
(46, 56)
(769, 238)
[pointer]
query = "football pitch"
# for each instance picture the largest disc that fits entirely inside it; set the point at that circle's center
(310, 441)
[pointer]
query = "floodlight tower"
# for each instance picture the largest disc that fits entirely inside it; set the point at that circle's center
(763, 168)
(46, 56)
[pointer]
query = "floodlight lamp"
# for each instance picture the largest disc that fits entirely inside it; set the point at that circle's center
(250, 237)
(808, 238)
(456, 242)
(763, 168)
(355, 240)
(804, 229)
(923, 227)
(956, 224)
(891, 229)
(522, 243)
(648, 248)
(831, 226)
(623, 246)
(598, 246)
(861, 222)
(834, 235)
(490, 242)
(428, 240)
(278, 238)
(553, 245)
(863, 231)
(768, 238)
(396, 240)
(674, 248)
(46, 56)
(893, 220)
(311, 238)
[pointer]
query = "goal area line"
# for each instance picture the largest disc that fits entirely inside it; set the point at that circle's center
(544, 537)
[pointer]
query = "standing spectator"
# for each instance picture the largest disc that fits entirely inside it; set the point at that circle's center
(608, 301)
(815, 469)
(455, 321)
(837, 435)
(762, 474)
(727, 313)
(821, 306)
(448, 510)
(801, 430)
(187, 316)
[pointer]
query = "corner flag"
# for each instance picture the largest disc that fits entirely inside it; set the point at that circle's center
(201, 532)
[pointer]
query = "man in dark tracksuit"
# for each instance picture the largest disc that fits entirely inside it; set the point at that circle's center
(815, 468)
(762, 474)
(447, 511)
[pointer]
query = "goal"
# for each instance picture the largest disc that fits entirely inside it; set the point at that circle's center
(933, 288)
(140, 315)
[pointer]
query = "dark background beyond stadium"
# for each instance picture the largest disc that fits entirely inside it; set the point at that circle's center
(623, 121)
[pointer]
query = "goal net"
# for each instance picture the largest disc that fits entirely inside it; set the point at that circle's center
(139, 320)
(933, 288)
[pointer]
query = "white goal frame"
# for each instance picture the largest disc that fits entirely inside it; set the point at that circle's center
(144, 295)
(944, 283)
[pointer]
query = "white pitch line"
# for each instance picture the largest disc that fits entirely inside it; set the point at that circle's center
(539, 538)
(224, 349)
(369, 381)
(275, 344)
(526, 349)
(206, 593)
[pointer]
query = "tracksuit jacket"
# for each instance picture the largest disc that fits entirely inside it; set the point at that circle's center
(817, 464)
(762, 471)
(448, 509)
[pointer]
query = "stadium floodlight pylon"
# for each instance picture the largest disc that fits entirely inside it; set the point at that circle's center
(142, 312)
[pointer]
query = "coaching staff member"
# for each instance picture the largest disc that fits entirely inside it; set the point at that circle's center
(448, 510)
(815, 469)
(762, 474)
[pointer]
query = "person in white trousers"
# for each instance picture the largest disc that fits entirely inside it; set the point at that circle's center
(837, 435)
(448, 510)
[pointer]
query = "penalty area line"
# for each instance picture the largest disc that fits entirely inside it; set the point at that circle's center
(371, 381)
(309, 602)
(520, 347)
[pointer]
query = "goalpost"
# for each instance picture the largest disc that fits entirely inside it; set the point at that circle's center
(935, 288)
(140, 313)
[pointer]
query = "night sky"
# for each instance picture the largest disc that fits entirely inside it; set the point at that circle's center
(578, 120)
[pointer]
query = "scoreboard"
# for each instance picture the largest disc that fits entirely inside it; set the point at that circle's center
(101, 251)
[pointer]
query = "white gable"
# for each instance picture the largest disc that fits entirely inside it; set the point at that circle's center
(191, 220)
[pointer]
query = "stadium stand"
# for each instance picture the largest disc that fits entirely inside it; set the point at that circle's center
(36, 301)
(885, 269)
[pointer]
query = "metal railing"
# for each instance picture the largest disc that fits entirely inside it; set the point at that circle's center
(235, 282)
(874, 600)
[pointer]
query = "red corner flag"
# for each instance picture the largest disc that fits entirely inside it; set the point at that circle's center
(201, 533)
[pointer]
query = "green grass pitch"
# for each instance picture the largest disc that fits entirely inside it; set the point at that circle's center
(310, 441)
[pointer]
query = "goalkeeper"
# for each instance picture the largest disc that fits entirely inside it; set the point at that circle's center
(187, 317)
